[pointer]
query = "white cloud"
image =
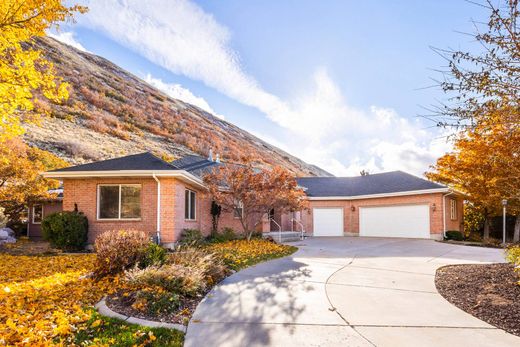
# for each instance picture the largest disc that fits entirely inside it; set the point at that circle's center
(320, 125)
(68, 38)
(177, 91)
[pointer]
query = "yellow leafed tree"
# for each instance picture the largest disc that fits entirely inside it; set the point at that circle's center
(24, 70)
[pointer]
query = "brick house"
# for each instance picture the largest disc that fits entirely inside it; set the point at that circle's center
(144, 192)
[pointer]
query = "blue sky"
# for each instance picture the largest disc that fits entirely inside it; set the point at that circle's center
(340, 84)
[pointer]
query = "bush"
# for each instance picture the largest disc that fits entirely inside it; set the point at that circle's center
(119, 250)
(454, 235)
(66, 230)
(227, 234)
(154, 255)
(191, 237)
(210, 264)
(188, 272)
(513, 255)
(174, 278)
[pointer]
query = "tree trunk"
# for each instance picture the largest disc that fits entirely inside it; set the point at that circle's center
(486, 228)
(516, 235)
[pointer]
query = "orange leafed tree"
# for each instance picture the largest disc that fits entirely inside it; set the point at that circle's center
(24, 70)
(20, 179)
(254, 192)
(485, 166)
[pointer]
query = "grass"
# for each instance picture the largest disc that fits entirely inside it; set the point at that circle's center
(115, 332)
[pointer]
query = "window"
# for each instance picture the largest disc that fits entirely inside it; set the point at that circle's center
(37, 214)
(453, 209)
(190, 203)
(119, 201)
(239, 210)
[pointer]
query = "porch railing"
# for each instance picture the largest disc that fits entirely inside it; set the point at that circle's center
(279, 229)
(302, 232)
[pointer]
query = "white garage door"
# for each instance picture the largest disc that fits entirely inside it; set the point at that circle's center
(328, 221)
(395, 221)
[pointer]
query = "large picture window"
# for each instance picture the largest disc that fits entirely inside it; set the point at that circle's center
(190, 204)
(119, 201)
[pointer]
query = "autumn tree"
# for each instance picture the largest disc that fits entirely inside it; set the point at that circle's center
(254, 192)
(24, 70)
(485, 167)
(484, 95)
(20, 179)
(482, 82)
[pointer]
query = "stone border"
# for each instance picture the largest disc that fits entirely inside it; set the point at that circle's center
(105, 311)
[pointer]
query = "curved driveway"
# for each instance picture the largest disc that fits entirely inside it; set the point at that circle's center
(345, 292)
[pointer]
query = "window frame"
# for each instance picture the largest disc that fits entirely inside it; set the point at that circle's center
(453, 209)
(241, 208)
(32, 219)
(119, 185)
(187, 213)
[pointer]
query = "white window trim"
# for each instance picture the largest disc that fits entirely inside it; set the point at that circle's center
(119, 203)
(453, 209)
(241, 207)
(189, 206)
(33, 222)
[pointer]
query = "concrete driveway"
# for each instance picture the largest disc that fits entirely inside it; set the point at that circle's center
(345, 292)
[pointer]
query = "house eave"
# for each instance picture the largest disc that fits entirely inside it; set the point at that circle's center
(182, 175)
(382, 195)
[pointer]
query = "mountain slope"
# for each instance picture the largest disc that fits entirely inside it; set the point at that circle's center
(111, 112)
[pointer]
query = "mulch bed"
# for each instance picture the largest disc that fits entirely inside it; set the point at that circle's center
(488, 292)
(123, 305)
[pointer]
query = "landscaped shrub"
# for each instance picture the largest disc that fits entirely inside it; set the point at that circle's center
(154, 255)
(210, 264)
(513, 255)
(227, 234)
(119, 250)
(66, 230)
(191, 237)
(454, 235)
(174, 278)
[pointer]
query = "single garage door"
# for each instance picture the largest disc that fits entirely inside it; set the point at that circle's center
(328, 221)
(395, 221)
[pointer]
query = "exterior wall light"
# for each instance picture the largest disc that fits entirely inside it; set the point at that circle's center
(352, 208)
(434, 207)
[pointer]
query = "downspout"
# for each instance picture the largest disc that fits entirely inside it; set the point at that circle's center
(444, 213)
(158, 208)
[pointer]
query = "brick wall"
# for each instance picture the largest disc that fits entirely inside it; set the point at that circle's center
(83, 192)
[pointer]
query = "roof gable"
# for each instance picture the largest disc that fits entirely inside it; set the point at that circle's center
(383, 183)
(142, 161)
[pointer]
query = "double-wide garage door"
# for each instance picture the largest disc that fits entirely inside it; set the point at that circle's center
(395, 221)
(411, 221)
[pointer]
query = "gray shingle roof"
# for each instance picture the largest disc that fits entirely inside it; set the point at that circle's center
(388, 182)
(143, 161)
(196, 165)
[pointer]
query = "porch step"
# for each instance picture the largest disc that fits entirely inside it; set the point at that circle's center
(286, 236)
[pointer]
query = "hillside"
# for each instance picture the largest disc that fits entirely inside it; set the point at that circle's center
(111, 112)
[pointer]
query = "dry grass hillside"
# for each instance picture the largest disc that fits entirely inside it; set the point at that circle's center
(111, 112)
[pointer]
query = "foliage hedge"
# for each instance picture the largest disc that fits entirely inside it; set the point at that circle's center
(66, 230)
(454, 235)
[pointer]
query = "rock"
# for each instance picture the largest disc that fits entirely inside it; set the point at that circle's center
(6, 233)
